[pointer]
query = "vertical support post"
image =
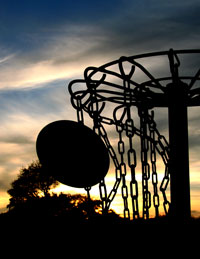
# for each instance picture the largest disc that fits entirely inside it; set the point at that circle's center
(179, 152)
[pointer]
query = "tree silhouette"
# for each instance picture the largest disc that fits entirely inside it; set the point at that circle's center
(30, 196)
(31, 183)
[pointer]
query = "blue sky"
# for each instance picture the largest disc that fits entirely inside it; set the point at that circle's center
(46, 43)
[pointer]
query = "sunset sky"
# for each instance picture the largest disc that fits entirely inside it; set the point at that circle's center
(44, 44)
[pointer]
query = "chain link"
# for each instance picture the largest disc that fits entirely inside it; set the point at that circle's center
(80, 117)
(103, 195)
(163, 188)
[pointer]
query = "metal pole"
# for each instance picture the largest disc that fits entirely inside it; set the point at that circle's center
(179, 153)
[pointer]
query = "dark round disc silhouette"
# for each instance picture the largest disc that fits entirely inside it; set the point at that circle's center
(73, 153)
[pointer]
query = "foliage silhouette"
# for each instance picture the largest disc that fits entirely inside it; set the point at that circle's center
(31, 183)
(73, 207)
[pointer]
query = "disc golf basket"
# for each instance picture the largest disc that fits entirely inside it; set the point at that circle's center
(123, 92)
(118, 100)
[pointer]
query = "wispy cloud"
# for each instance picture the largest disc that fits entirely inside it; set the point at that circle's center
(4, 59)
(62, 58)
(63, 51)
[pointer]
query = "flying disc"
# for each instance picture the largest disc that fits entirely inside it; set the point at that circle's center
(73, 153)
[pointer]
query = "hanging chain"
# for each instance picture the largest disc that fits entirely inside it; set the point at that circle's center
(131, 154)
(132, 163)
(156, 201)
(145, 164)
(112, 154)
(100, 130)
(122, 168)
(160, 144)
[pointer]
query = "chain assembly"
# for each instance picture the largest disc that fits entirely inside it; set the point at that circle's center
(112, 101)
